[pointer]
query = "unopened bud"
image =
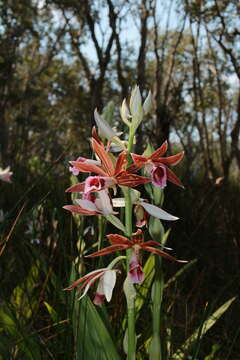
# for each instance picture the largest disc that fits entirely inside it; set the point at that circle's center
(135, 100)
(124, 111)
(147, 105)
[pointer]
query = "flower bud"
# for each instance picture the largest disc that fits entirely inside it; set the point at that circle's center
(125, 114)
(147, 105)
(135, 100)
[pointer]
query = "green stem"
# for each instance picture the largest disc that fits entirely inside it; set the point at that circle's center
(101, 231)
(156, 349)
(131, 334)
(130, 302)
(130, 141)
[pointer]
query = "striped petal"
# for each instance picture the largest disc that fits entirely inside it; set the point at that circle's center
(86, 277)
(170, 160)
(79, 188)
(131, 180)
(108, 250)
(85, 167)
(173, 178)
(160, 151)
(79, 210)
(104, 157)
(139, 160)
(121, 162)
(161, 253)
(118, 239)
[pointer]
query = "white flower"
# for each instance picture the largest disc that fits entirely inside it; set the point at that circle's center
(6, 174)
(107, 281)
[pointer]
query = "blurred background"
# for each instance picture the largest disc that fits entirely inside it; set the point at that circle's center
(61, 59)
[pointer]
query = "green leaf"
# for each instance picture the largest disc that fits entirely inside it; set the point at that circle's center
(23, 297)
(142, 291)
(201, 330)
(116, 222)
(93, 340)
(183, 269)
(149, 150)
(51, 311)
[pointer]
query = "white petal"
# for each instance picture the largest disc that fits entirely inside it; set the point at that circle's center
(118, 202)
(103, 202)
(103, 127)
(117, 148)
(87, 204)
(5, 174)
(125, 113)
(135, 100)
(91, 282)
(100, 289)
(93, 162)
(109, 281)
(147, 103)
(158, 212)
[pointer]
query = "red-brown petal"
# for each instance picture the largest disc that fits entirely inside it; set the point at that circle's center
(104, 157)
(85, 167)
(86, 278)
(173, 178)
(132, 168)
(160, 151)
(108, 250)
(78, 210)
(131, 180)
(152, 243)
(121, 162)
(161, 253)
(95, 135)
(76, 188)
(118, 239)
(139, 160)
(170, 160)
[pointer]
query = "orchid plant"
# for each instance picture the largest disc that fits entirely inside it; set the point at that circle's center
(109, 176)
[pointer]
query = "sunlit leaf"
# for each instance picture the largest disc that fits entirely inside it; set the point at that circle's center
(116, 222)
(201, 330)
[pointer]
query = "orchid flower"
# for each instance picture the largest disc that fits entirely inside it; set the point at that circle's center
(137, 243)
(91, 205)
(107, 280)
(155, 165)
(5, 174)
(108, 173)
